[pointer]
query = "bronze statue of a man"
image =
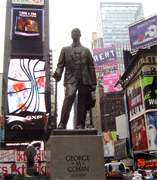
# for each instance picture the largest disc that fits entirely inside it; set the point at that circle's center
(79, 75)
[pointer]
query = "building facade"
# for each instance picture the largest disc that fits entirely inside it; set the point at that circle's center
(26, 92)
(140, 87)
(113, 19)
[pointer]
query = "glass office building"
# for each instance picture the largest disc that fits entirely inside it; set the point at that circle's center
(112, 21)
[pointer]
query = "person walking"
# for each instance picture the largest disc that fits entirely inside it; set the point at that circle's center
(127, 175)
(137, 176)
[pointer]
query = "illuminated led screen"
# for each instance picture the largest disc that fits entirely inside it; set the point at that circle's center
(26, 86)
(27, 31)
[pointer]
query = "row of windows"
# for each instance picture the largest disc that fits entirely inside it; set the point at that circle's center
(151, 59)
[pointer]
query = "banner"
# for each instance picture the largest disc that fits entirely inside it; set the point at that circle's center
(111, 82)
(143, 34)
(151, 124)
(20, 168)
(135, 99)
(138, 132)
(29, 2)
(109, 138)
(121, 149)
(150, 91)
(2, 130)
(19, 156)
(105, 58)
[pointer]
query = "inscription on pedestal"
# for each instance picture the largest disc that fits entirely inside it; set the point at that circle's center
(78, 165)
(75, 157)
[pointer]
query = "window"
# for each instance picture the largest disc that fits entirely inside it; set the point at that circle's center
(149, 59)
(153, 59)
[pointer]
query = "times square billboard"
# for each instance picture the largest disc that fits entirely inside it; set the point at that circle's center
(135, 99)
(139, 134)
(111, 82)
(151, 124)
(143, 34)
(108, 139)
(150, 91)
(26, 99)
(28, 2)
(27, 31)
(105, 58)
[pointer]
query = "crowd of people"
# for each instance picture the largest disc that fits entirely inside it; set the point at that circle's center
(115, 174)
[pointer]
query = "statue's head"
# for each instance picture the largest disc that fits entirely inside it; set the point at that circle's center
(75, 33)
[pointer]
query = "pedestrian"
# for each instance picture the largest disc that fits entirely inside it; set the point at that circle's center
(127, 175)
(114, 174)
(155, 175)
(137, 176)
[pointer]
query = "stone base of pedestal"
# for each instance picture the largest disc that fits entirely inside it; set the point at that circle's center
(75, 156)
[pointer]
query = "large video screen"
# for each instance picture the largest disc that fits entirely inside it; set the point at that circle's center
(26, 86)
(27, 31)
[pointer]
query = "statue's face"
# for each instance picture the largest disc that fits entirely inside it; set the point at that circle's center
(75, 34)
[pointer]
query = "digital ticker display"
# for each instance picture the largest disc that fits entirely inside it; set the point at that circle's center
(27, 31)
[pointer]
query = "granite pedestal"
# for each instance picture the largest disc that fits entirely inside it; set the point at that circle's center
(75, 154)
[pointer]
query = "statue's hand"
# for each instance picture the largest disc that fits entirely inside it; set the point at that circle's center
(56, 76)
(93, 88)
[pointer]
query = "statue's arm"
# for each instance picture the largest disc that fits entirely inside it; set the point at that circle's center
(60, 66)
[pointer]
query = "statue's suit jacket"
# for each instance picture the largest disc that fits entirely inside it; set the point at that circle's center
(67, 60)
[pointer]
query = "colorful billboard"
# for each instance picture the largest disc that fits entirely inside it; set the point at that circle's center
(111, 82)
(109, 138)
(26, 95)
(27, 31)
(151, 124)
(150, 91)
(121, 149)
(25, 121)
(135, 99)
(29, 2)
(105, 58)
(143, 34)
(26, 86)
(138, 132)
(2, 130)
(15, 162)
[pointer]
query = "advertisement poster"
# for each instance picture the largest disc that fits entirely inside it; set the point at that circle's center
(121, 149)
(138, 132)
(29, 2)
(2, 130)
(105, 58)
(150, 91)
(26, 86)
(151, 123)
(110, 81)
(20, 160)
(135, 99)
(143, 34)
(27, 31)
(109, 138)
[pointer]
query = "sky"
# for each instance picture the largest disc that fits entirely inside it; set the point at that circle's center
(64, 16)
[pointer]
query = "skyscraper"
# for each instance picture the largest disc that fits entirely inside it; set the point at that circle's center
(112, 21)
